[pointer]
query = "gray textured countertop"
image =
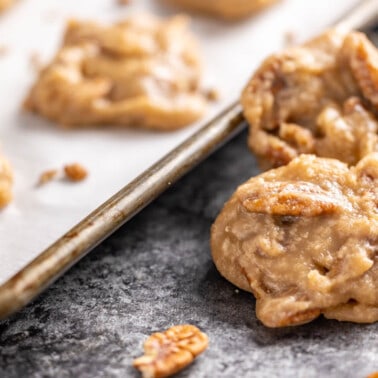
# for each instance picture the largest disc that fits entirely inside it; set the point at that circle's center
(156, 271)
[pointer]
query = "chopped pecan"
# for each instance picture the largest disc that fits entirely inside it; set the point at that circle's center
(47, 176)
(75, 172)
(168, 352)
(299, 318)
(364, 65)
(293, 199)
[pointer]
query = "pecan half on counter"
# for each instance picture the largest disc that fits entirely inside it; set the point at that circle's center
(140, 72)
(320, 98)
(166, 353)
(6, 182)
(228, 9)
(303, 238)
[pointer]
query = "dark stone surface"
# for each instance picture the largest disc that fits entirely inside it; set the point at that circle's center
(156, 272)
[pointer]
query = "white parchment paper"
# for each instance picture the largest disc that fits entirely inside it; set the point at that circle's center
(38, 216)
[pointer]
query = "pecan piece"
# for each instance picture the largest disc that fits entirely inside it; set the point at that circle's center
(75, 172)
(166, 353)
(300, 318)
(364, 65)
(47, 176)
(293, 199)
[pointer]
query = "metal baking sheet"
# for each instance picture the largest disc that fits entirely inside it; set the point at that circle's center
(32, 144)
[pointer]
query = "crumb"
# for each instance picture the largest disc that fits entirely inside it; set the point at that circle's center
(212, 94)
(236, 291)
(75, 172)
(124, 2)
(290, 38)
(47, 176)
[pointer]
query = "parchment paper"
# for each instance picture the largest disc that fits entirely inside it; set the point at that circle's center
(38, 216)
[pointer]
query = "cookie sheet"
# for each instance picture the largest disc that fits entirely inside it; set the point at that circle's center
(32, 29)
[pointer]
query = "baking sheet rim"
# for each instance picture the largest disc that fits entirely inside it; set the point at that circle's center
(31, 280)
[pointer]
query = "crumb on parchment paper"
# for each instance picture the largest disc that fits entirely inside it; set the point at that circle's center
(47, 176)
(124, 2)
(212, 94)
(168, 352)
(75, 172)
